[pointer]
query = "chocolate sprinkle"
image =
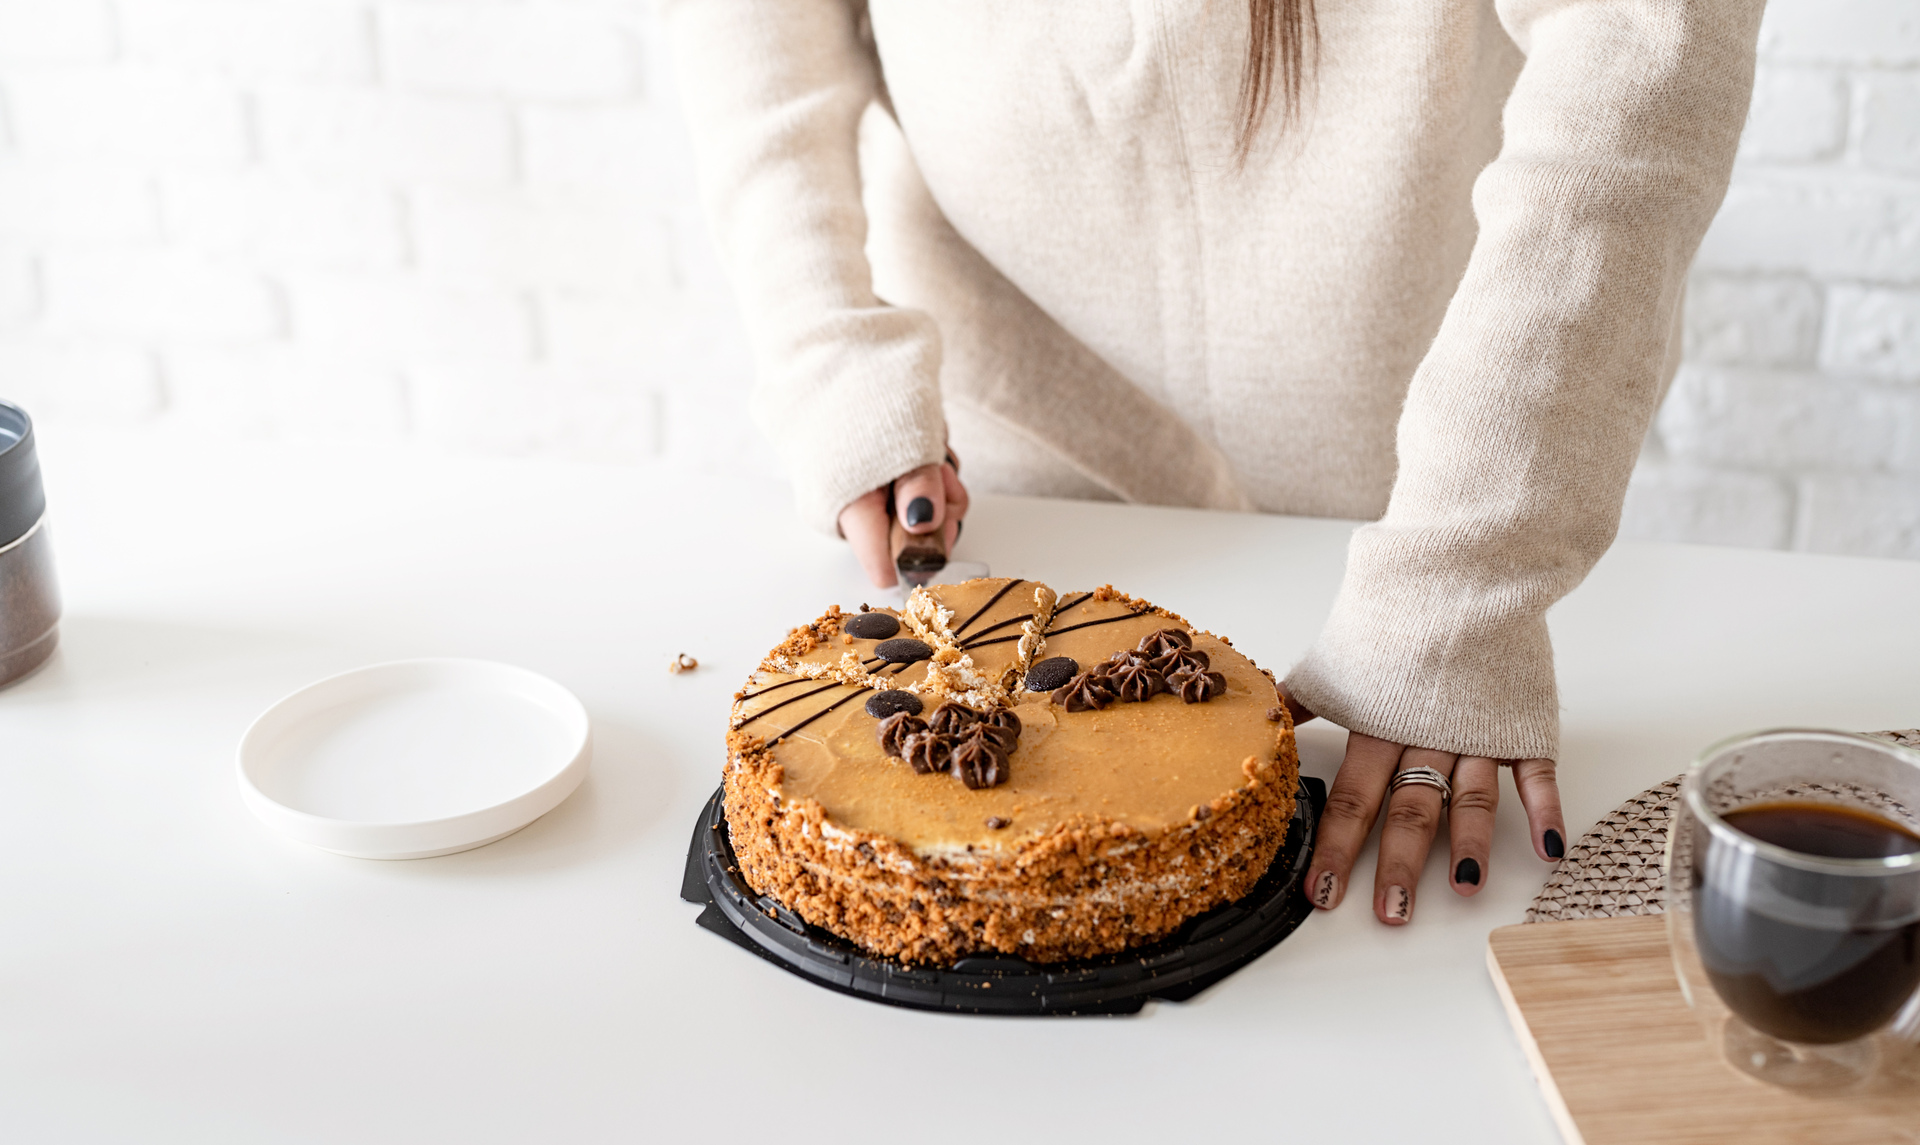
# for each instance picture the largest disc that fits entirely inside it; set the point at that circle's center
(873, 626)
(995, 823)
(883, 704)
(905, 650)
(1051, 673)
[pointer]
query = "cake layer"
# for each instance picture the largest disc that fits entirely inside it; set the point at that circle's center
(1112, 824)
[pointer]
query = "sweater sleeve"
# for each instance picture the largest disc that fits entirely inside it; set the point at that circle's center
(846, 388)
(1523, 421)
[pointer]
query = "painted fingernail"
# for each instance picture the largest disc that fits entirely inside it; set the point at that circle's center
(958, 528)
(1467, 872)
(919, 511)
(1550, 841)
(1399, 904)
(1323, 889)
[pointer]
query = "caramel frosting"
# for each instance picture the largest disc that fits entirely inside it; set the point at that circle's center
(1145, 764)
(991, 816)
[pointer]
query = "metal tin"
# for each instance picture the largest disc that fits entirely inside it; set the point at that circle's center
(29, 597)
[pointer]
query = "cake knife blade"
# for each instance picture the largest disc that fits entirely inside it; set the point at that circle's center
(917, 557)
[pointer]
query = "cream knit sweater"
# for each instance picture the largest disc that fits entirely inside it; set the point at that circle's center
(1448, 299)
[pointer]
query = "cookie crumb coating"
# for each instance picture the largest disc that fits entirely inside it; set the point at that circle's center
(1063, 861)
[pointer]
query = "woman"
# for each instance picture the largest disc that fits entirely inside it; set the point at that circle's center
(1415, 263)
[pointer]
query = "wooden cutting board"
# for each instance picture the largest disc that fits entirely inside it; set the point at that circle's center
(1620, 1057)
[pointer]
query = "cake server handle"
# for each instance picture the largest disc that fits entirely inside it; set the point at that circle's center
(917, 557)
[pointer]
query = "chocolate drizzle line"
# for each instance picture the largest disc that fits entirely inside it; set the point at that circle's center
(899, 668)
(854, 694)
(1084, 597)
(783, 703)
(995, 628)
(982, 610)
(788, 683)
(777, 687)
(1057, 631)
(976, 642)
(1090, 623)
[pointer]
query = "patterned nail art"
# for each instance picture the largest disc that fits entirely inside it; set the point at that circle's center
(1323, 889)
(1399, 904)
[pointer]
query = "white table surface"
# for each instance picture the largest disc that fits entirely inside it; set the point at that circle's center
(171, 970)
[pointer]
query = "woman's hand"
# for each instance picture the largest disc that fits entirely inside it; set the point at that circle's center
(1413, 818)
(929, 498)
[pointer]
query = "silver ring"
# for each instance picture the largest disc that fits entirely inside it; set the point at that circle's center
(1423, 777)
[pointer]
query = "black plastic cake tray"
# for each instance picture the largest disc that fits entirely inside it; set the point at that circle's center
(1202, 952)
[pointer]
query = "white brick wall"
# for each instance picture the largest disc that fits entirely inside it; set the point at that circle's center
(464, 225)
(1795, 421)
(472, 226)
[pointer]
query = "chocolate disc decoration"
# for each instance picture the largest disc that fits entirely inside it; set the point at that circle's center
(1051, 673)
(872, 626)
(892, 701)
(904, 650)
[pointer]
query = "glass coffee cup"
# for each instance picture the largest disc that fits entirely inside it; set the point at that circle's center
(1793, 897)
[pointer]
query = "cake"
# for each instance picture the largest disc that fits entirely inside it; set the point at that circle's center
(1000, 768)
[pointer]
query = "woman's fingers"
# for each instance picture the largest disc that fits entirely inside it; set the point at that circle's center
(1413, 818)
(929, 498)
(956, 497)
(1352, 804)
(1540, 795)
(865, 525)
(1299, 711)
(920, 499)
(1476, 795)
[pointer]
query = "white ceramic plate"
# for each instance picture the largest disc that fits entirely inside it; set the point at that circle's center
(415, 758)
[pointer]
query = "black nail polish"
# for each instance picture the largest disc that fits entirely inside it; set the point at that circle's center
(919, 511)
(1467, 872)
(958, 528)
(1550, 839)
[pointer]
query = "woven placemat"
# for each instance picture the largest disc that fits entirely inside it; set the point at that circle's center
(1614, 869)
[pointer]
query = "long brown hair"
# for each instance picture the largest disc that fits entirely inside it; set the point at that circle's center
(1282, 33)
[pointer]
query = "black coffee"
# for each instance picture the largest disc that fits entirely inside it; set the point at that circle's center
(1796, 981)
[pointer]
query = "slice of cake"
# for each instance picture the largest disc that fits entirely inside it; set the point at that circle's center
(1003, 768)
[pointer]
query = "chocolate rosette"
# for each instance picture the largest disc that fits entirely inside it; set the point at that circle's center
(1088, 691)
(979, 760)
(1182, 660)
(1006, 727)
(1197, 687)
(1133, 678)
(894, 730)
(951, 719)
(927, 752)
(1157, 644)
